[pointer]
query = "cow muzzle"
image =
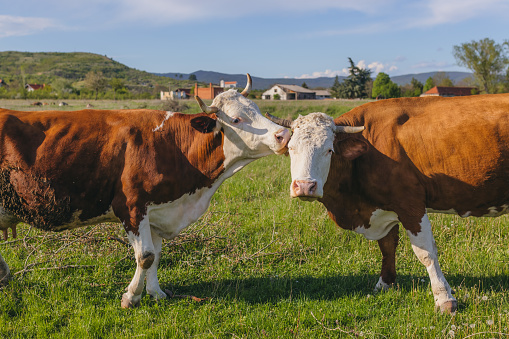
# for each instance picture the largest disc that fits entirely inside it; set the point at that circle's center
(282, 137)
(304, 190)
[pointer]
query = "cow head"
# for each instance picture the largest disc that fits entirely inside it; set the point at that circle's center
(311, 148)
(247, 133)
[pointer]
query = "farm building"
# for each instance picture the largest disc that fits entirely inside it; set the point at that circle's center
(207, 93)
(443, 91)
(34, 87)
(289, 92)
(228, 84)
(322, 94)
(179, 93)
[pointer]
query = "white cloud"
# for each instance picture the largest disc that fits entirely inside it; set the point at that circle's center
(438, 12)
(18, 26)
(375, 66)
(326, 73)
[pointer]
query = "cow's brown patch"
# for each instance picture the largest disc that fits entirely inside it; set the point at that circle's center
(32, 199)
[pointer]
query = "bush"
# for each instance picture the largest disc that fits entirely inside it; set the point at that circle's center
(174, 106)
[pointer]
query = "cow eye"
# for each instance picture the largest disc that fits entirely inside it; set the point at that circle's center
(235, 120)
(330, 151)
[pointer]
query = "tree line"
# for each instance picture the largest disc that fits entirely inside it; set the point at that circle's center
(488, 61)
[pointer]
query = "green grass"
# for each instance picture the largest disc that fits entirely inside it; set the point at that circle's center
(272, 267)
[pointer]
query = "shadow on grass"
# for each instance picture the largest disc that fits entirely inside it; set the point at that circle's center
(273, 289)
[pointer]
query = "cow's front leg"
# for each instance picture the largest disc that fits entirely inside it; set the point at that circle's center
(425, 248)
(388, 245)
(153, 287)
(144, 253)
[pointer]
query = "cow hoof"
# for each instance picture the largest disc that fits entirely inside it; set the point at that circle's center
(129, 303)
(449, 307)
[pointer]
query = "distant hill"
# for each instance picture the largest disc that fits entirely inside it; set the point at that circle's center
(326, 82)
(47, 67)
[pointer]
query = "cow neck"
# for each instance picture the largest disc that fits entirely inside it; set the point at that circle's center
(342, 194)
(201, 152)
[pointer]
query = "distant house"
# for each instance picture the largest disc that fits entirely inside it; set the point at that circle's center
(179, 93)
(228, 84)
(207, 93)
(443, 91)
(34, 87)
(289, 92)
(322, 94)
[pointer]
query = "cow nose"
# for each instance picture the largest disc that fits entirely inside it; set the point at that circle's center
(304, 188)
(282, 136)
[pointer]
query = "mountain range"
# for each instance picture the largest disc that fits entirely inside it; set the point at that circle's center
(325, 82)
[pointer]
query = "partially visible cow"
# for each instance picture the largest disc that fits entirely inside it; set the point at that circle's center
(154, 171)
(415, 155)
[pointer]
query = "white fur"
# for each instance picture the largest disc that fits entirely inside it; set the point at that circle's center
(425, 249)
(168, 115)
(381, 222)
(313, 137)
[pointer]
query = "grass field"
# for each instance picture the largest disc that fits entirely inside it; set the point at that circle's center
(265, 265)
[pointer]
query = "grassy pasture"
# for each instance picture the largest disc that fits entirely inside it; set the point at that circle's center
(271, 267)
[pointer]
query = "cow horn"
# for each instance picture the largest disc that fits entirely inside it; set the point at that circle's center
(204, 107)
(246, 90)
(348, 129)
(280, 121)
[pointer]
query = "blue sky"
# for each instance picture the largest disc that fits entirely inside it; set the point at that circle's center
(267, 38)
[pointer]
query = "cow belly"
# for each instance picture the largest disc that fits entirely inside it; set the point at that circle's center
(168, 219)
(493, 211)
(380, 223)
(76, 220)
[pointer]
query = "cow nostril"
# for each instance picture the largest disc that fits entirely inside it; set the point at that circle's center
(312, 187)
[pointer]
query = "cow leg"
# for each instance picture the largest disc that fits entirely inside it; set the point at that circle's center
(5, 273)
(425, 248)
(145, 254)
(388, 245)
(153, 287)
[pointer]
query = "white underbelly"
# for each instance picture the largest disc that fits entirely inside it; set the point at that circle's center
(380, 223)
(168, 219)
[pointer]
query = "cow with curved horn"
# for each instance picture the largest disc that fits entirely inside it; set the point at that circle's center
(416, 155)
(153, 171)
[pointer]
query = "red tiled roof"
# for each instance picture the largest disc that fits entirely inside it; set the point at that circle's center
(450, 91)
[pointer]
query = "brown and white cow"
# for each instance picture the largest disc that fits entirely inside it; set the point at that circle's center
(414, 156)
(154, 171)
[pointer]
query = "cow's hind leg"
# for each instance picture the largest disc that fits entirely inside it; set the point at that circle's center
(5, 273)
(145, 254)
(153, 287)
(388, 245)
(425, 248)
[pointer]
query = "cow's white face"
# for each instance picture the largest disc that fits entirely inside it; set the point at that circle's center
(248, 134)
(311, 148)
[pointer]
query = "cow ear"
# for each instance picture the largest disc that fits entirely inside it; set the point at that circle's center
(204, 124)
(352, 148)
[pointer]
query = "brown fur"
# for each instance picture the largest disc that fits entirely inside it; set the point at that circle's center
(439, 153)
(54, 163)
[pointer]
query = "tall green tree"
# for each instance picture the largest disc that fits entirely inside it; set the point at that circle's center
(354, 86)
(116, 84)
(95, 81)
(429, 84)
(335, 87)
(486, 59)
(442, 79)
(384, 87)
